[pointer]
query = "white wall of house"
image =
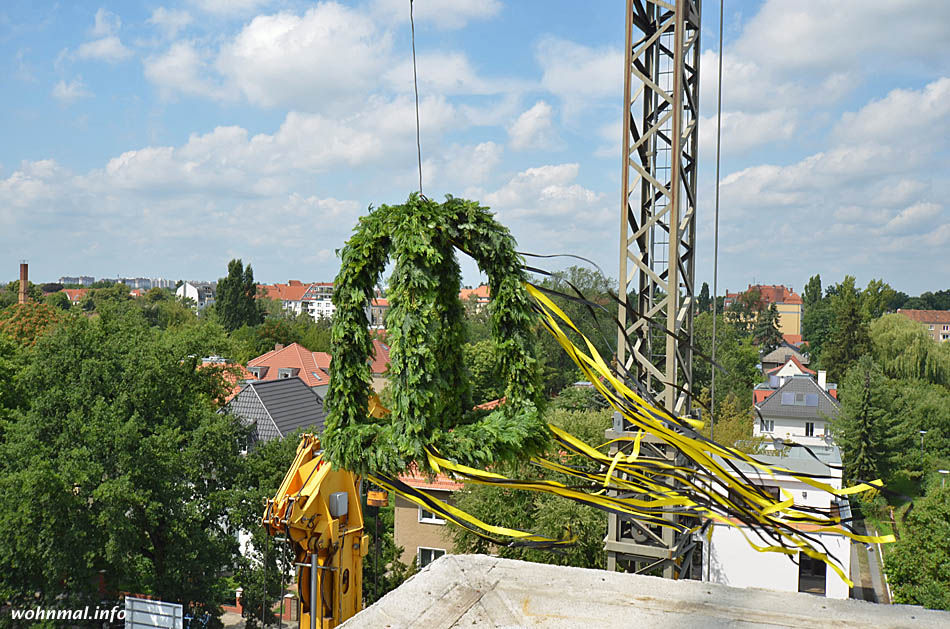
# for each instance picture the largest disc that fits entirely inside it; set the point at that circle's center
(794, 429)
(735, 563)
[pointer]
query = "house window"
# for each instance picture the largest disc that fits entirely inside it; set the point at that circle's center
(809, 429)
(946, 327)
(427, 517)
(766, 425)
(428, 555)
(811, 575)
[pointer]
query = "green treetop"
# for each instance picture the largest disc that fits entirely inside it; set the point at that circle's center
(236, 302)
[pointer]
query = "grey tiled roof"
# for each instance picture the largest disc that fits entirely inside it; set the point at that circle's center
(773, 407)
(780, 355)
(278, 407)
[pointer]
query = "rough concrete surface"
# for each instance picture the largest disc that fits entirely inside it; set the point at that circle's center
(481, 591)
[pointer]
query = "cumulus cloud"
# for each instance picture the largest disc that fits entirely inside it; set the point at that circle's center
(745, 130)
(913, 116)
(170, 21)
(580, 74)
(330, 54)
(534, 129)
(544, 190)
(68, 92)
(107, 46)
(184, 69)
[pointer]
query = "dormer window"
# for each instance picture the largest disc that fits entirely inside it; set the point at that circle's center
(286, 372)
(258, 372)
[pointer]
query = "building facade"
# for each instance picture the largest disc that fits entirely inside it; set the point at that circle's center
(936, 322)
(788, 303)
(423, 535)
(730, 560)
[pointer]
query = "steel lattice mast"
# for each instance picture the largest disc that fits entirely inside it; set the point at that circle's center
(658, 234)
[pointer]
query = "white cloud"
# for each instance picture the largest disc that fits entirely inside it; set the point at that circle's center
(444, 14)
(170, 21)
(331, 54)
(183, 68)
(69, 92)
(742, 130)
(544, 190)
(909, 116)
(534, 129)
(580, 74)
(912, 219)
(447, 72)
(108, 47)
(106, 23)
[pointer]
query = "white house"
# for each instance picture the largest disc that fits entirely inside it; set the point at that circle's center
(730, 560)
(202, 294)
(795, 406)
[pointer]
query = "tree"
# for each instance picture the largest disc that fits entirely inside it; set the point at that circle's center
(704, 303)
(734, 424)
(812, 293)
(817, 326)
(917, 564)
(129, 468)
(745, 310)
(767, 335)
(542, 513)
(236, 300)
(849, 337)
(860, 426)
(736, 356)
(485, 372)
(875, 299)
(57, 300)
(904, 350)
(27, 323)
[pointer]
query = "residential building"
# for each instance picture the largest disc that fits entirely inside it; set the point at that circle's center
(421, 533)
(936, 322)
(479, 296)
(83, 280)
(76, 295)
(795, 406)
(787, 302)
(730, 560)
(277, 408)
(202, 293)
(313, 298)
(378, 307)
(780, 355)
(293, 361)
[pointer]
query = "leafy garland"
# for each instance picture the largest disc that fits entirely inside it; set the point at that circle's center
(430, 394)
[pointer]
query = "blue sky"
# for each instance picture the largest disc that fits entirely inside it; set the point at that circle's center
(164, 138)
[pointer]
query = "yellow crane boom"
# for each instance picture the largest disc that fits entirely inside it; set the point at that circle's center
(318, 509)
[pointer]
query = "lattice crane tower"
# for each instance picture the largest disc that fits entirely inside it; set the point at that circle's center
(658, 234)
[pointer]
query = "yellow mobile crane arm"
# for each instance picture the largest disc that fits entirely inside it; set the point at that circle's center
(318, 509)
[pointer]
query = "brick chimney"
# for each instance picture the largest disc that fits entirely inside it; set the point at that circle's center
(24, 280)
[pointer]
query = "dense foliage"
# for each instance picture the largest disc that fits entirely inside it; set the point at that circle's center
(236, 302)
(918, 567)
(541, 513)
(114, 465)
(430, 400)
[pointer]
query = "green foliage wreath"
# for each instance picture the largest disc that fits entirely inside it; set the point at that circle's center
(430, 394)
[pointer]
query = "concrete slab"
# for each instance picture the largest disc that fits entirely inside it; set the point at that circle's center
(481, 591)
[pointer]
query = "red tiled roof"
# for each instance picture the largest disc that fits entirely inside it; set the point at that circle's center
(234, 379)
(380, 361)
(792, 339)
(797, 362)
(760, 395)
(379, 301)
(481, 293)
(414, 479)
(770, 294)
(488, 406)
(75, 294)
(293, 291)
(294, 356)
(926, 316)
